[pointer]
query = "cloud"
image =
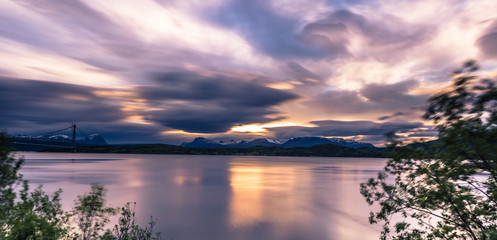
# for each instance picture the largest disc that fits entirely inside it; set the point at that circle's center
(424, 133)
(487, 43)
(391, 93)
(268, 31)
(80, 18)
(345, 128)
(38, 107)
(283, 37)
(380, 39)
(372, 98)
(391, 116)
(201, 118)
(190, 102)
(43, 102)
(24, 30)
(71, 32)
(302, 74)
(124, 132)
(215, 59)
(210, 104)
(222, 90)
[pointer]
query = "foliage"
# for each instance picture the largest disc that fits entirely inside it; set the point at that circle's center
(447, 190)
(37, 216)
(9, 179)
(34, 215)
(91, 212)
(128, 229)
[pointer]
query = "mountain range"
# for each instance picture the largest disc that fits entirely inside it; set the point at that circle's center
(201, 142)
(92, 139)
(38, 143)
(299, 146)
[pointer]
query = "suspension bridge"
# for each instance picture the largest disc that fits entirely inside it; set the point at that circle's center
(50, 139)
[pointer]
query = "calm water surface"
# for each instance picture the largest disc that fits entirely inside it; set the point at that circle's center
(222, 197)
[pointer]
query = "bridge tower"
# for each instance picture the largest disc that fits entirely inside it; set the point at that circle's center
(73, 142)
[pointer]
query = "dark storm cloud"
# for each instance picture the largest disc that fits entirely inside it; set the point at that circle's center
(124, 132)
(191, 102)
(222, 90)
(202, 118)
(210, 104)
(35, 107)
(345, 128)
(380, 98)
(487, 43)
(29, 101)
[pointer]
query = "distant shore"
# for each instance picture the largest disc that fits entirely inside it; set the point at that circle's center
(323, 150)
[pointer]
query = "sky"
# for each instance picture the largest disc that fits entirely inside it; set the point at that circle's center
(167, 71)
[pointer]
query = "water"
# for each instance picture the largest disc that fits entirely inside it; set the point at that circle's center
(222, 197)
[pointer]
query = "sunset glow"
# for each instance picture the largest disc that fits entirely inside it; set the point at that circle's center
(233, 70)
(262, 127)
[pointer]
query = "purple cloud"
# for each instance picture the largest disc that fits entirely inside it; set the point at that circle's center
(487, 43)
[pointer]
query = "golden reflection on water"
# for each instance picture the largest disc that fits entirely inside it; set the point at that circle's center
(246, 203)
(183, 176)
(300, 197)
(265, 193)
(185, 180)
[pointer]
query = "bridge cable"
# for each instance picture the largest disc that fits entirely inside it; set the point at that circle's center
(81, 131)
(50, 133)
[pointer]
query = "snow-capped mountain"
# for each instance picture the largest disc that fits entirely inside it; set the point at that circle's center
(255, 142)
(92, 139)
(313, 141)
(201, 142)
